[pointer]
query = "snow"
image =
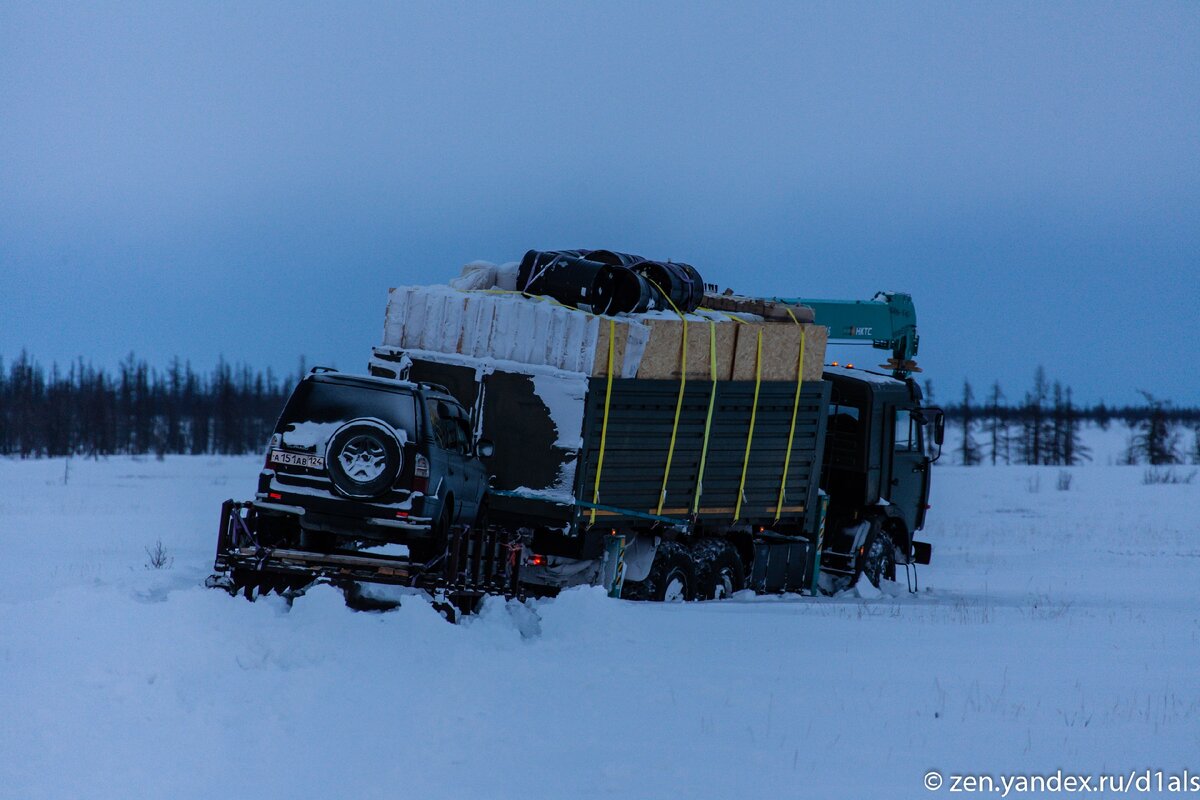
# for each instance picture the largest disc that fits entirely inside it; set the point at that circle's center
(1054, 630)
(557, 494)
(863, 375)
(866, 590)
(504, 327)
(564, 395)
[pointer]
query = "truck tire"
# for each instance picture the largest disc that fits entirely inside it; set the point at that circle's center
(719, 569)
(363, 458)
(672, 577)
(878, 561)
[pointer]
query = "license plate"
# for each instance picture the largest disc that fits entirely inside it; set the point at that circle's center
(297, 460)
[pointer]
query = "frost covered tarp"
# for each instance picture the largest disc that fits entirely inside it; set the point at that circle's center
(1059, 630)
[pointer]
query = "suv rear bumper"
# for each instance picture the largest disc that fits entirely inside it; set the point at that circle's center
(364, 521)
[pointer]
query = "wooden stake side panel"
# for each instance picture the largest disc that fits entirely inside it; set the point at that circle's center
(641, 414)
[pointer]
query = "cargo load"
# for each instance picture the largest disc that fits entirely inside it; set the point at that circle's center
(707, 415)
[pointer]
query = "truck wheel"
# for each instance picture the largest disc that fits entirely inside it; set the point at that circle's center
(878, 561)
(672, 577)
(719, 570)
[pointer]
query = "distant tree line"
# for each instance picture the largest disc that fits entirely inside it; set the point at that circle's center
(1043, 427)
(86, 411)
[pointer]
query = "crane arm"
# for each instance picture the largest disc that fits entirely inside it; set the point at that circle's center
(888, 321)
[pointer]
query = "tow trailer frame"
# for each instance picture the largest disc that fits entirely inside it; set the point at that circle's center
(477, 561)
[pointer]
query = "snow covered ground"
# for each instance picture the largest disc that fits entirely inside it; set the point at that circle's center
(1054, 630)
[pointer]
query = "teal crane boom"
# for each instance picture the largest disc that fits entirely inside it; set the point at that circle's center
(888, 322)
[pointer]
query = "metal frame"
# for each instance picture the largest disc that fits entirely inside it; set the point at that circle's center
(476, 562)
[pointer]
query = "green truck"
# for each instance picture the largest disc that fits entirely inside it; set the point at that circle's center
(652, 490)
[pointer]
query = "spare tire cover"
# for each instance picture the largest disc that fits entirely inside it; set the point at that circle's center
(363, 458)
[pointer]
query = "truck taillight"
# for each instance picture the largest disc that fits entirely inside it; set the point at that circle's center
(272, 443)
(420, 474)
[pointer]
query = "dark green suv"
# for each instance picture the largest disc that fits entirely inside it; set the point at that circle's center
(358, 458)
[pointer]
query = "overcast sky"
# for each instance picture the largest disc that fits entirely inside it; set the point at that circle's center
(248, 179)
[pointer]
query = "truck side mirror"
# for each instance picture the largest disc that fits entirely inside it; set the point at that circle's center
(485, 448)
(939, 428)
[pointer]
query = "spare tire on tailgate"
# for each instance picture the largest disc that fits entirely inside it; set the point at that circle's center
(363, 458)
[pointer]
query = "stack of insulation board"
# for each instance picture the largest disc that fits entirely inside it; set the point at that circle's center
(736, 345)
(537, 332)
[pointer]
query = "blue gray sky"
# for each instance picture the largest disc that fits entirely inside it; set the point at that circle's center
(247, 179)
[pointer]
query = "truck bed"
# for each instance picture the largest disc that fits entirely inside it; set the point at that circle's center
(547, 426)
(640, 418)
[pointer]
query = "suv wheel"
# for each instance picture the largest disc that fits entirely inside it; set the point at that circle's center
(363, 458)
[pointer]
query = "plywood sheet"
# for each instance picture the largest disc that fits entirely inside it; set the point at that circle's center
(780, 351)
(664, 356)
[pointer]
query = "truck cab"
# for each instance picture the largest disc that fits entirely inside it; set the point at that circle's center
(880, 445)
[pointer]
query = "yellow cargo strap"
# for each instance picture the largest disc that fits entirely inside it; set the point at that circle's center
(787, 459)
(733, 317)
(737, 511)
(712, 401)
(612, 335)
(662, 493)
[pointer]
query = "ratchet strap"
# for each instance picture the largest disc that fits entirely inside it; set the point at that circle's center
(712, 401)
(787, 459)
(662, 493)
(612, 335)
(737, 511)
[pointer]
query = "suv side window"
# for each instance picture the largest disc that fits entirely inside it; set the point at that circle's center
(451, 431)
(438, 425)
(464, 435)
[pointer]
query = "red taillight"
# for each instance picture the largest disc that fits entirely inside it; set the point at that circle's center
(402, 514)
(275, 495)
(536, 560)
(420, 474)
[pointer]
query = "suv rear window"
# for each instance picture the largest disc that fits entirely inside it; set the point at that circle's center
(317, 409)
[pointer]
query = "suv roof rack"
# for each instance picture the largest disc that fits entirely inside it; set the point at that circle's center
(437, 387)
(320, 370)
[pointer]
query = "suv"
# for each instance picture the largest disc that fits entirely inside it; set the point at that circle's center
(357, 458)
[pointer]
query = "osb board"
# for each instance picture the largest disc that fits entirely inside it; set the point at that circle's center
(663, 356)
(780, 351)
(620, 344)
(816, 337)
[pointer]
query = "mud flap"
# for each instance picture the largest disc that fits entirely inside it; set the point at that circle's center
(780, 566)
(612, 572)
